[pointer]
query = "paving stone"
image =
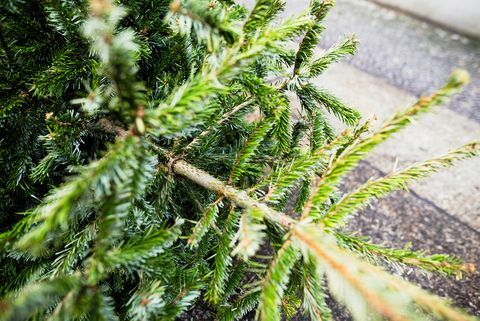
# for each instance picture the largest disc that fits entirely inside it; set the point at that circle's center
(406, 52)
(460, 16)
(406, 217)
(433, 134)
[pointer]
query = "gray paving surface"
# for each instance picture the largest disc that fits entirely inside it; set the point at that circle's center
(462, 16)
(408, 217)
(431, 135)
(406, 52)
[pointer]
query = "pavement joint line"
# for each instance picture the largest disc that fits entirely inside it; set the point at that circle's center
(408, 91)
(322, 49)
(428, 202)
(423, 18)
(422, 140)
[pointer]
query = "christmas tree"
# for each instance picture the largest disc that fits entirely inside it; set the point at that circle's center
(152, 161)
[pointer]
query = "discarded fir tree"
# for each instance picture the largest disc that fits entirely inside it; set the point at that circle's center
(148, 152)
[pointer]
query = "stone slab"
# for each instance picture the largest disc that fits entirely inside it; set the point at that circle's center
(462, 16)
(404, 218)
(456, 189)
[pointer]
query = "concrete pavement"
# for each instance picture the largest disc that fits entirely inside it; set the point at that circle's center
(462, 16)
(432, 135)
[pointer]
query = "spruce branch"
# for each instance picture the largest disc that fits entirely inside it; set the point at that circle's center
(325, 185)
(171, 118)
(314, 295)
(176, 80)
(311, 97)
(439, 263)
(22, 276)
(335, 258)
(177, 114)
(307, 46)
(248, 150)
(137, 250)
(282, 127)
(101, 306)
(189, 289)
(347, 47)
(353, 281)
(321, 132)
(263, 13)
(250, 234)
(397, 180)
(288, 28)
(56, 212)
(275, 282)
(147, 302)
(74, 251)
(37, 298)
(304, 191)
(225, 117)
(283, 179)
(71, 306)
(241, 307)
(218, 285)
(115, 50)
(319, 10)
(236, 277)
(208, 23)
(240, 198)
(208, 218)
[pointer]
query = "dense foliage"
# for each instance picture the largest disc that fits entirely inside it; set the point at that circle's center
(152, 160)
